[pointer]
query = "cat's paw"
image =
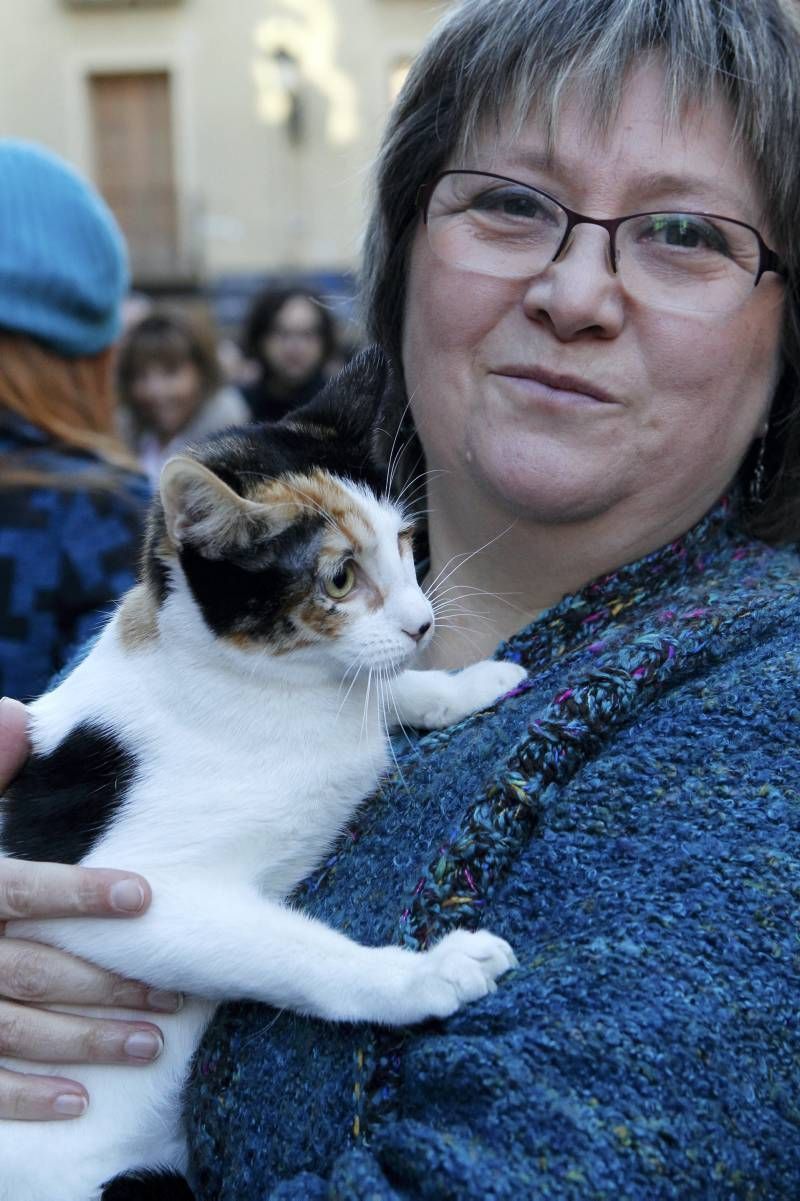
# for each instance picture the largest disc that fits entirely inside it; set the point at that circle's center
(463, 967)
(472, 689)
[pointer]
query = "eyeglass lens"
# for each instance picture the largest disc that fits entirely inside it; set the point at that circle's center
(672, 260)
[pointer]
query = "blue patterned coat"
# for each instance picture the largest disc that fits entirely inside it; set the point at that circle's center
(67, 551)
(630, 822)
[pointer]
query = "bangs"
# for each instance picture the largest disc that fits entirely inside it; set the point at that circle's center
(551, 49)
(168, 348)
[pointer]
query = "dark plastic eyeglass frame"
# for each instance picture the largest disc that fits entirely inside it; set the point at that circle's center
(768, 259)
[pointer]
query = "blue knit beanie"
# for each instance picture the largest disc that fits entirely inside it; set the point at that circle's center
(63, 261)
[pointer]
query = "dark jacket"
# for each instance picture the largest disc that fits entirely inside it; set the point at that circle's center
(630, 822)
(70, 531)
(266, 403)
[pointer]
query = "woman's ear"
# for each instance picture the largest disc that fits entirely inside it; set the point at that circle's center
(363, 403)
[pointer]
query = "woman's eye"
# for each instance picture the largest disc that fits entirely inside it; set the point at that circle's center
(342, 583)
(509, 203)
(686, 234)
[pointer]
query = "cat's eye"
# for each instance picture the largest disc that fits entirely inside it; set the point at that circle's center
(342, 583)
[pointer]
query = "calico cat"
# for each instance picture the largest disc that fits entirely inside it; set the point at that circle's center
(217, 738)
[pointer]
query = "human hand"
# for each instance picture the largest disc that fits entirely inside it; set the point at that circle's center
(33, 975)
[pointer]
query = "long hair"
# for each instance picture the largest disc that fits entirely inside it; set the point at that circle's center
(169, 339)
(497, 60)
(71, 400)
(263, 315)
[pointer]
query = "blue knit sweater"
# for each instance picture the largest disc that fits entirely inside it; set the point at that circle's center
(630, 822)
(68, 548)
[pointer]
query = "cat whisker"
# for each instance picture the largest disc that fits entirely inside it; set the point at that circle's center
(455, 609)
(416, 482)
(422, 477)
(465, 558)
(401, 726)
(393, 461)
(365, 716)
(474, 591)
(357, 666)
(383, 684)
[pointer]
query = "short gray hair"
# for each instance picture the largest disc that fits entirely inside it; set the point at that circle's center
(491, 58)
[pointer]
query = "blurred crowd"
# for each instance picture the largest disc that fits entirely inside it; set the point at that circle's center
(98, 387)
(176, 381)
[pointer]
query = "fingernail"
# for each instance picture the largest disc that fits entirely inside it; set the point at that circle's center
(167, 1002)
(143, 1045)
(70, 1105)
(127, 896)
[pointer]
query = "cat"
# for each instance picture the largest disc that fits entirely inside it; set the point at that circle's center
(217, 738)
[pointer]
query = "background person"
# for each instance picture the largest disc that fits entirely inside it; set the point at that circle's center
(291, 336)
(71, 503)
(71, 516)
(170, 384)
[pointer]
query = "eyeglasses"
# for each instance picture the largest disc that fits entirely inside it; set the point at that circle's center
(695, 262)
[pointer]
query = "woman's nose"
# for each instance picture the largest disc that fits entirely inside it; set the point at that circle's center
(579, 292)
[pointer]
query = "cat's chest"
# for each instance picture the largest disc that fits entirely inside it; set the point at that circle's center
(262, 796)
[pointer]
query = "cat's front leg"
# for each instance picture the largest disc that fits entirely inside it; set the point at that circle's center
(434, 699)
(229, 942)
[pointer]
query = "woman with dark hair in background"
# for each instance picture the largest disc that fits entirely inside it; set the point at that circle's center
(291, 335)
(71, 503)
(170, 384)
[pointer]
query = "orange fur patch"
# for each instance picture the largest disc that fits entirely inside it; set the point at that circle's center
(318, 492)
(137, 619)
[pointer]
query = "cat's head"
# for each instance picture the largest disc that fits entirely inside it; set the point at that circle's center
(284, 540)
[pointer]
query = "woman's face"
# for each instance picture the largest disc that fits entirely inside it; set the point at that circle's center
(683, 394)
(293, 348)
(167, 395)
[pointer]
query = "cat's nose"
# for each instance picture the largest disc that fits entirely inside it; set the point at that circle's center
(420, 633)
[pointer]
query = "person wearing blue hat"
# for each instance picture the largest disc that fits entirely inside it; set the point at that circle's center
(72, 504)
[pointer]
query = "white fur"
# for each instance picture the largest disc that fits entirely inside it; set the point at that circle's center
(250, 765)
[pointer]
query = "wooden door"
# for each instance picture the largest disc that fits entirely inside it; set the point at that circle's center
(132, 130)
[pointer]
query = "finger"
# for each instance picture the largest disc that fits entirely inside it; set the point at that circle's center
(38, 975)
(14, 745)
(48, 1037)
(40, 1098)
(60, 890)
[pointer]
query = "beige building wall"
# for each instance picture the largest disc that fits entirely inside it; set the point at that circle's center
(249, 198)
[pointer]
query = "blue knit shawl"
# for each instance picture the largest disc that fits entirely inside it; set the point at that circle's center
(630, 821)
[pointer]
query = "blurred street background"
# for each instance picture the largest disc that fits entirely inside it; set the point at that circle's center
(233, 140)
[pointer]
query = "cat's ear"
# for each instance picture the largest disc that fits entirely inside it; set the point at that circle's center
(355, 401)
(202, 510)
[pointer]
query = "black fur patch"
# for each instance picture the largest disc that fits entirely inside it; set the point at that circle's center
(60, 804)
(253, 595)
(148, 1186)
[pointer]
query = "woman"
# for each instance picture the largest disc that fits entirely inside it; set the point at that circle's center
(605, 419)
(72, 504)
(291, 336)
(170, 385)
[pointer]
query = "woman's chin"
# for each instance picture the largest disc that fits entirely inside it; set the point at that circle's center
(545, 490)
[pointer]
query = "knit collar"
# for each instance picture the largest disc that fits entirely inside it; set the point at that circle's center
(581, 616)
